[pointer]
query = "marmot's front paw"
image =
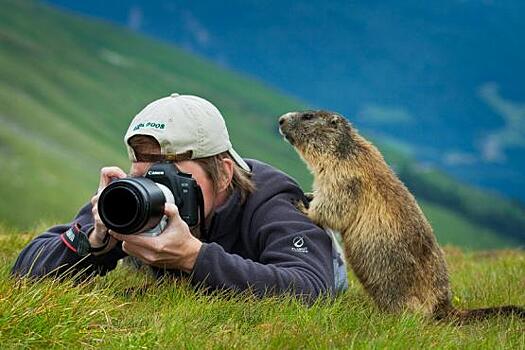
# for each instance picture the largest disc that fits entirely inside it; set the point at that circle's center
(301, 206)
(309, 196)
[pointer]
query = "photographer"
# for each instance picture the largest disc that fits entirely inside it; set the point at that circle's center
(250, 235)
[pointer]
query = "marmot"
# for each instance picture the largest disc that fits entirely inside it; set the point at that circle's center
(388, 242)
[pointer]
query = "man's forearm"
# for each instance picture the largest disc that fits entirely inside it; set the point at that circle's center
(47, 254)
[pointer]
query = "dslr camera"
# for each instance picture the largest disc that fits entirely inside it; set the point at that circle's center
(136, 204)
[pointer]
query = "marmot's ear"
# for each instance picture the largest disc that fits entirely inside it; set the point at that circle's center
(333, 120)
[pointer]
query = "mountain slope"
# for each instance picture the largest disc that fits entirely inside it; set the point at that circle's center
(70, 87)
(443, 78)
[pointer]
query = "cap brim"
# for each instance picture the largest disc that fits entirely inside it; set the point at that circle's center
(238, 159)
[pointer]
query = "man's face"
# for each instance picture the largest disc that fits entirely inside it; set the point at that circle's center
(187, 166)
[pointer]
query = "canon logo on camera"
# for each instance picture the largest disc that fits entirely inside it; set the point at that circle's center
(153, 172)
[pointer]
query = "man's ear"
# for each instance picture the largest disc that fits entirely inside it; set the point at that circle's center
(227, 174)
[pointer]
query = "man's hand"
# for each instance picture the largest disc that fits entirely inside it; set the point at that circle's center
(97, 236)
(174, 248)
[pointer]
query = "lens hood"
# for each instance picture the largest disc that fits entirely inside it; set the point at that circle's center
(131, 205)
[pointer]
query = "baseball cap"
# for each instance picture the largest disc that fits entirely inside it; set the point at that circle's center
(186, 127)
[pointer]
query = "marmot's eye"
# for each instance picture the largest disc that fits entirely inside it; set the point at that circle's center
(307, 116)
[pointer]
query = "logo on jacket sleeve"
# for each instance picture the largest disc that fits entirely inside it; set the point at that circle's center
(298, 245)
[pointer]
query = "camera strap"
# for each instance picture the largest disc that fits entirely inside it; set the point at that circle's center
(200, 203)
(77, 240)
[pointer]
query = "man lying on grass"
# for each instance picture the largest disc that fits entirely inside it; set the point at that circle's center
(252, 237)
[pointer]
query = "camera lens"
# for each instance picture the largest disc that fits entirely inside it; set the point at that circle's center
(121, 205)
(131, 205)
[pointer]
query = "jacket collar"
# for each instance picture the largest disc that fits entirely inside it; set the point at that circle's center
(226, 222)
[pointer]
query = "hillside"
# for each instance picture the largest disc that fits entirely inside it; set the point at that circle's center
(444, 79)
(69, 87)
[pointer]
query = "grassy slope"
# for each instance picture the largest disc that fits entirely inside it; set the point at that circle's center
(69, 88)
(64, 107)
(112, 312)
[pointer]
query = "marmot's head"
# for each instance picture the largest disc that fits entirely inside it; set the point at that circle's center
(320, 136)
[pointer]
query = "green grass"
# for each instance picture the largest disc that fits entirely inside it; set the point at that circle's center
(117, 312)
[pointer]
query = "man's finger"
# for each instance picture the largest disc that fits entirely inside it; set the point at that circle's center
(94, 199)
(117, 236)
(137, 251)
(132, 250)
(107, 173)
(143, 241)
(174, 219)
(146, 243)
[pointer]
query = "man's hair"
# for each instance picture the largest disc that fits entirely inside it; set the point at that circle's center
(241, 179)
(212, 166)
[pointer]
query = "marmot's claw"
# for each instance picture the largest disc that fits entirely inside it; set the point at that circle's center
(309, 196)
(301, 206)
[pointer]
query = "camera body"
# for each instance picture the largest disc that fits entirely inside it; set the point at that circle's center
(136, 204)
(182, 185)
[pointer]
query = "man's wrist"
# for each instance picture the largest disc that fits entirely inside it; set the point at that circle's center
(99, 246)
(94, 239)
(191, 252)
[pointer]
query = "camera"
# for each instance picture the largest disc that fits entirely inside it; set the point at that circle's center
(136, 204)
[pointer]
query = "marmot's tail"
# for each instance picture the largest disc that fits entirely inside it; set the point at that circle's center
(479, 314)
(464, 316)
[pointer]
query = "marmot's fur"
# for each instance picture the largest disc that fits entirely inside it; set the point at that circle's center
(388, 242)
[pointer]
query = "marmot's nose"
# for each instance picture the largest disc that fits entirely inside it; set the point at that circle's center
(284, 118)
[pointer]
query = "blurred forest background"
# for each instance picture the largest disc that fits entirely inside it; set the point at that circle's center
(437, 86)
